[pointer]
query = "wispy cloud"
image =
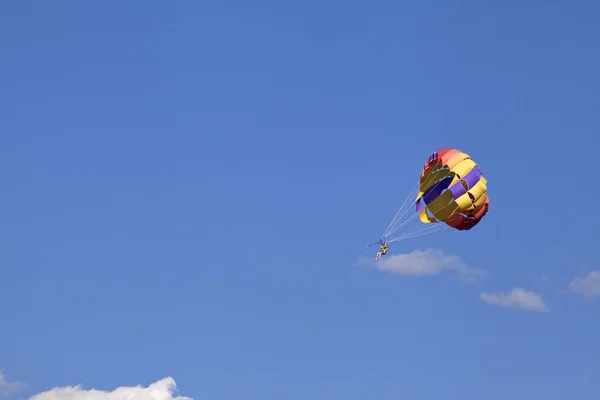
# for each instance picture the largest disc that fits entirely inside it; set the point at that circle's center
(516, 298)
(588, 285)
(163, 389)
(7, 388)
(426, 263)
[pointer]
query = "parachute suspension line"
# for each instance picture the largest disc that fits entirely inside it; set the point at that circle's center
(399, 222)
(419, 229)
(413, 227)
(402, 224)
(429, 232)
(404, 209)
(431, 228)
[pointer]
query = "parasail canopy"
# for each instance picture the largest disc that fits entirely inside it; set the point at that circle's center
(451, 194)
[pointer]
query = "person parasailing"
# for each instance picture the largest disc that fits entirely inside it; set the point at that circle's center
(382, 252)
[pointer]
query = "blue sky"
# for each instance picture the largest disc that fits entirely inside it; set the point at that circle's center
(186, 185)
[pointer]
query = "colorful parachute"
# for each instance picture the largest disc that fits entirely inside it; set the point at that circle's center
(451, 194)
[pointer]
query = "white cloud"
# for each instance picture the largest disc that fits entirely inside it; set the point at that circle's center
(589, 285)
(163, 389)
(7, 388)
(517, 298)
(426, 263)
